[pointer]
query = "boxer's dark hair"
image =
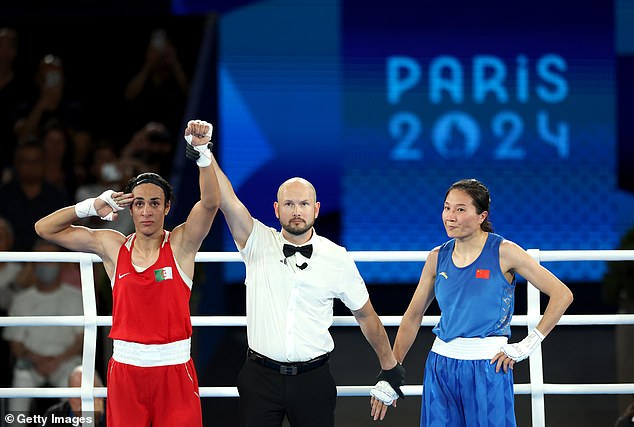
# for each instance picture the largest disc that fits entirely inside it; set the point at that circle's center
(151, 178)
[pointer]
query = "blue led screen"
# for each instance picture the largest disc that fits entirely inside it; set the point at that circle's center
(383, 107)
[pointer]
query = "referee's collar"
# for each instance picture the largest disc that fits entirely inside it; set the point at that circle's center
(310, 241)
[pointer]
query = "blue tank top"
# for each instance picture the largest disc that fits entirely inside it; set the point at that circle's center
(475, 301)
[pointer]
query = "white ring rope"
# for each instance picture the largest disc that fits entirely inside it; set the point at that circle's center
(518, 320)
(90, 321)
(360, 256)
(343, 390)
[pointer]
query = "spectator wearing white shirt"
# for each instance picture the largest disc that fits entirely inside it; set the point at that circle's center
(11, 282)
(44, 354)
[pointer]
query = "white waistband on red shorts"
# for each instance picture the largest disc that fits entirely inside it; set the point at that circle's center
(469, 348)
(146, 355)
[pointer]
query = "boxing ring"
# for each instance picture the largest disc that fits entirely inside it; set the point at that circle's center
(90, 321)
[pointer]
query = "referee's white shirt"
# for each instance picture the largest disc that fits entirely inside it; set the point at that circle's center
(289, 310)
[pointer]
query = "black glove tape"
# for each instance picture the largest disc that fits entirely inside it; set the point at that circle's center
(192, 154)
(395, 377)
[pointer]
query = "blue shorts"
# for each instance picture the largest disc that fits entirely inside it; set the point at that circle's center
(461, 393)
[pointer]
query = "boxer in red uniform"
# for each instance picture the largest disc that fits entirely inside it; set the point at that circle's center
(151, 376)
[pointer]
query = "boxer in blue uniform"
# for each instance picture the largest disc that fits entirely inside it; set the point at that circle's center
(468, 378)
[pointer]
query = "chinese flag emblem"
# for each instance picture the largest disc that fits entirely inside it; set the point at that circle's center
(482, 274)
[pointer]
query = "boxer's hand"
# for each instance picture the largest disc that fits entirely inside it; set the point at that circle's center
(105, 206)
(86, 208)
(395, 377)
(199, 145)
(384, 392)
(109, 203)
(521, 350)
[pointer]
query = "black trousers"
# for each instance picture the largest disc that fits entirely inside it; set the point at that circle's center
(266, 397)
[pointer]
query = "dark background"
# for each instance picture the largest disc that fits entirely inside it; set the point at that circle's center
(103, 44)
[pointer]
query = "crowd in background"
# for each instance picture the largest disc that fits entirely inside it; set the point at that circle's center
(53, 153)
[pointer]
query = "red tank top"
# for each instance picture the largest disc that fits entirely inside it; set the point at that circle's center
(152, 306)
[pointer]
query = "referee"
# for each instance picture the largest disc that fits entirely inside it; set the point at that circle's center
(292, 278)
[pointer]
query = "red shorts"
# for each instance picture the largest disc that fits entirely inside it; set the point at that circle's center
(160, 396)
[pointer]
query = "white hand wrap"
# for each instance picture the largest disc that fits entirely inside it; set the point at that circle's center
(205, 153)
(521, 350)
(384, 392)
(86, 208)
(106, 196)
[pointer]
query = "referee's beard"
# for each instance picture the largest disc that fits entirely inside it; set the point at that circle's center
(298, 229)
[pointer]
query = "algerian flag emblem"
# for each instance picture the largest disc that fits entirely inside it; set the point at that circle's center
(163, 274)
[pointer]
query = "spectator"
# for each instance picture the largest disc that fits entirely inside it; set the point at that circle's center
(10, 277)
(11, 282)
(30, 195)
(71, 407)
(158, 91)
(83, 145)
(57, 143)
(12, 92)
(52, 100)
(151, 146)
(44, 354)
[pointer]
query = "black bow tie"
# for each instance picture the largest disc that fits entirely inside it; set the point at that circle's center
(306, 250)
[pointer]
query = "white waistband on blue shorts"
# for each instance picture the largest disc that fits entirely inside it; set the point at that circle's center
(469, 348)
(147, 355)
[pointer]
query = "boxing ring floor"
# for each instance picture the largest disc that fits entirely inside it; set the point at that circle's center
(569, 381)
